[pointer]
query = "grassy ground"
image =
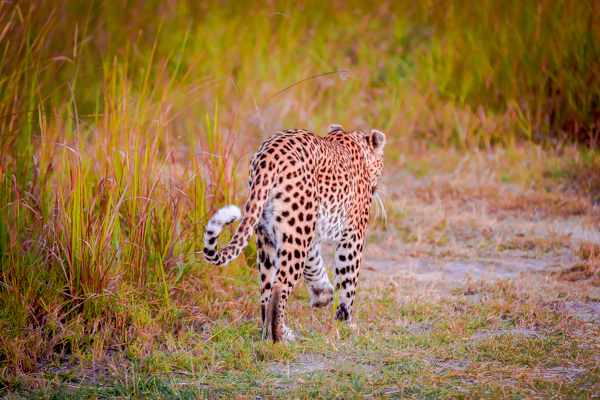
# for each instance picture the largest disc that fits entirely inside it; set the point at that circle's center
(123, 127)
(485, 290)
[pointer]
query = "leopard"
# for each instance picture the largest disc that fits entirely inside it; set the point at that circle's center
(304, 190)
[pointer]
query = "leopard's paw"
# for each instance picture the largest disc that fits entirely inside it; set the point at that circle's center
(288, 334)
(342, 313)
(321, 297)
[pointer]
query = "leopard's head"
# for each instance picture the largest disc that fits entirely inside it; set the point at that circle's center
(371, 148)
(374, 157)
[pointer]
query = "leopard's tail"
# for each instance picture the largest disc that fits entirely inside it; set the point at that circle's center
(259, 193)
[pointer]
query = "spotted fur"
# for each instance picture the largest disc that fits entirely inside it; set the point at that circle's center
(304, 189)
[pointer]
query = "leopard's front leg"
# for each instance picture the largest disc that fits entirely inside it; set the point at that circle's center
(348, 257)
(315, 276)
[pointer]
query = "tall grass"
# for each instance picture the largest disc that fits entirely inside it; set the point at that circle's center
(100, 186)
(122, 126)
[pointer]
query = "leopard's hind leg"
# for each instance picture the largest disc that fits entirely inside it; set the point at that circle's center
(293, 238)
(266, 261)
(290, 261)
(315, 276)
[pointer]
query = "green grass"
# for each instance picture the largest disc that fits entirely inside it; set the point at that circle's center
(124, 126)
(424, 349)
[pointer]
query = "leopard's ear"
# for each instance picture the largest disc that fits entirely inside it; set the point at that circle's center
(377, 141)
(334, 128)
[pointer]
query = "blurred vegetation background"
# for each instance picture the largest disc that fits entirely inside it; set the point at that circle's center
(123, 125)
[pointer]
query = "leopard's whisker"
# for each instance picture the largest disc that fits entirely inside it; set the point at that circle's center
(386, 198)
(384, 193)
(377, 206)
(383, 210)
(382, 207)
